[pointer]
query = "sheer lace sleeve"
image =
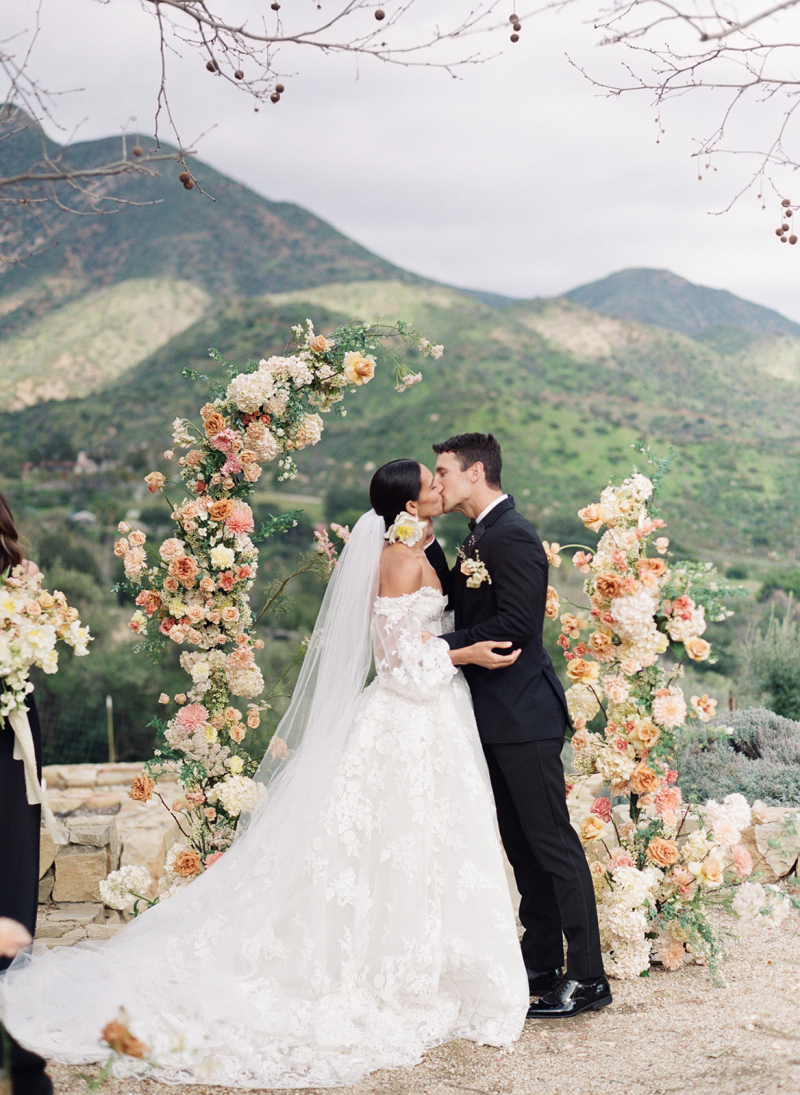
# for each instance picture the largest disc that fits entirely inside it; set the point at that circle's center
(403, 661)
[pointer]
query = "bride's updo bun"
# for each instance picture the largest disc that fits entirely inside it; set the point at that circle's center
(393, 485)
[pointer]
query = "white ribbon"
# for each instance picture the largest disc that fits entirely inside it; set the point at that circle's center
(24, 751)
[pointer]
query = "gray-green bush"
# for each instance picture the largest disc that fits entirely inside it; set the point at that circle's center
(753, 751)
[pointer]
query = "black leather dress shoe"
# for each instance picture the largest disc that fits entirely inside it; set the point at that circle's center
(542, 981)
(571, 998)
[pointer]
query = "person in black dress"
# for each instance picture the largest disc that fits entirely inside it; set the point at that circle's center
(19, 837)
(498, 591)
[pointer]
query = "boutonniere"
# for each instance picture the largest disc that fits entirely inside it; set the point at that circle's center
(474, 569)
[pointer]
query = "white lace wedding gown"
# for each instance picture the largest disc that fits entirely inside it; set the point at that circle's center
(371, 922)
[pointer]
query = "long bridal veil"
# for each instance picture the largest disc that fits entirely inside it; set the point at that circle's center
(334, 669)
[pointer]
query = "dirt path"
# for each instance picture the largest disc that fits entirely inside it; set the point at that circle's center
(669, 1033)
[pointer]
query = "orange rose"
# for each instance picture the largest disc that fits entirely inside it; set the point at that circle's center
(142, 789)
(318, 344)
(187, 862)
(116, 1035)
(608, 585)
(601, 645)
(646, 733)
(662, 852)
(221, 510)
(697, 649)
(358, 369)
(582, 671)
(657, 567)
(214, 423)
(644, 780)
(246, 456)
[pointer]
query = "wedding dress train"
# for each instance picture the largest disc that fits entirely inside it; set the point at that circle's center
(363, 917)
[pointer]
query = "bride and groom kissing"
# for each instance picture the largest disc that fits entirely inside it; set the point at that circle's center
(362, 915)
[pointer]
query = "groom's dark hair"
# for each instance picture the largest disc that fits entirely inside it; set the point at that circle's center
(472, 448)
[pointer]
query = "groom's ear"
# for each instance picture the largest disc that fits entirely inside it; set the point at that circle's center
(477, 471)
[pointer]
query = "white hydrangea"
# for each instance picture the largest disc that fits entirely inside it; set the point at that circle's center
(122, 888)
(245, 682)
(582, 703)
(250, 391)
(696, 847)
(237, 794)
(633, 615)
(639, 487)
(750, 899)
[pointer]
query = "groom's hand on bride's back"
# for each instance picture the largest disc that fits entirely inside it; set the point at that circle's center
(488, 654)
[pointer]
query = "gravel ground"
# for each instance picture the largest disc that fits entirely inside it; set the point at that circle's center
(668, 1033)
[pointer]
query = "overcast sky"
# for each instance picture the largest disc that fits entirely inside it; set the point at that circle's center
(519, 177)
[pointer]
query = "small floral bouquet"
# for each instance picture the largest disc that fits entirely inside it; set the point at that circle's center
(32, 623)
(193, 589)
(656, 863)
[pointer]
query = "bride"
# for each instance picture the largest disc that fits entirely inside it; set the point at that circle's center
(363, 915)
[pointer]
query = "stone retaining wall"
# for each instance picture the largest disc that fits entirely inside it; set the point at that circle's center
(106, 829)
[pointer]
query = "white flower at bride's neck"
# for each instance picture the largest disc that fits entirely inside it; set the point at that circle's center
(407, 529)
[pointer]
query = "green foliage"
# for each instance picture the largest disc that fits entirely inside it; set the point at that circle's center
(785, 581)
(752, 751)
(770, 664)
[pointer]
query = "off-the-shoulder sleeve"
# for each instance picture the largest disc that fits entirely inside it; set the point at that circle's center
(403, 661)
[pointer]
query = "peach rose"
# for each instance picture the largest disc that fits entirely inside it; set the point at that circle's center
(590, 828)
(552, 604)
(116, 1035)
(187, 862)
(601, 645)
(593, 517)
(318, 344)
(184, 568)
(656, 567)
(277, 748)
(252, 472)
(246, 456)
(711, 871)
(121, 548)
(644, 780)
(647, 733)
(253, 718)
(237, 732)
(214, 423)
(221, 509)
(142, 789)
(155, 481)
(662, 852)
(358, 368)
(582, 671)
(136, 538)
(697, 649)
(230, 614)
(608, 585)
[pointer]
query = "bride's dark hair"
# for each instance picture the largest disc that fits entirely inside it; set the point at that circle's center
(393, 485)
(11, 554)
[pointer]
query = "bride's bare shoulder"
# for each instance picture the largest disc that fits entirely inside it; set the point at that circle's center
(401, 571)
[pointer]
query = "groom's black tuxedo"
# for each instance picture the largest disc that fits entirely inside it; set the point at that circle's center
(521, 713)
(524, 702)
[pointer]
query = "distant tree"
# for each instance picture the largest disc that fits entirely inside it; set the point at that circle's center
(251, 54)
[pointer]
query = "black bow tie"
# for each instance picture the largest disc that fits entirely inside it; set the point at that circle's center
(472, 524)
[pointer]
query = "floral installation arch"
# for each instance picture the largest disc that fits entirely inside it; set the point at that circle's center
(658, 864)
(193, 589)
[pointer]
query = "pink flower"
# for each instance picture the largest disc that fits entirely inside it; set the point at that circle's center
(725, 832)
(620, 858)
(226, 581)
(240, 521)
(167, 625)
(601, 807)
(213, 858)
(194, 798)
(742, 861)
(192, 717)
(581, 560)
(669, 708)
(231, 467)
(668, 799)
(224, 440)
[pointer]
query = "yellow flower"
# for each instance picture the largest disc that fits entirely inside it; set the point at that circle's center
(358, 368)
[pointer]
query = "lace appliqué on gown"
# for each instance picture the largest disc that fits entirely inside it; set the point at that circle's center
(355, 925)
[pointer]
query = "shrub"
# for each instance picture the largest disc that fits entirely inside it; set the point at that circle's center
(752, 751)
(770, 665)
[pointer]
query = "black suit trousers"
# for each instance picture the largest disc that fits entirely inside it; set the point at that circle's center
(547, 857)
(19, 877)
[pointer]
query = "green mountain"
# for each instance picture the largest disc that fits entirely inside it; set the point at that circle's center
(663, 299)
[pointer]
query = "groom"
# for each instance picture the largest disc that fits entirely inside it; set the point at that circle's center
(498, 590)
